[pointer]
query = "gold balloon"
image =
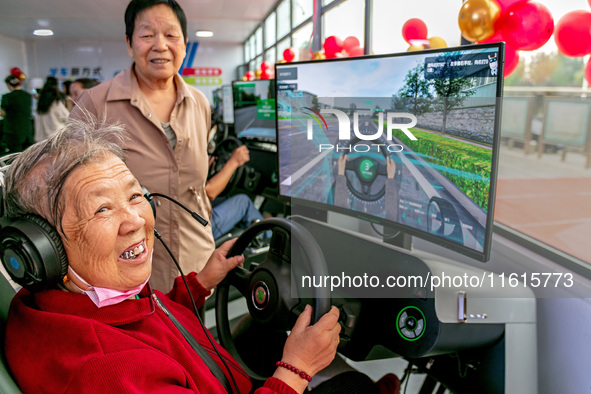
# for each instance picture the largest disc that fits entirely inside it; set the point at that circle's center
(437, 42)
(245, 78)
(282, 61)
(319, 55)
(258, 73)
(477, 19)
(415, 48)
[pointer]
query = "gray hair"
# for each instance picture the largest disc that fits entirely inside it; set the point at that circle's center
(34, 180)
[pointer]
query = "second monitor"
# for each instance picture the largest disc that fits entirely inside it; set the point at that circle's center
(254, 110)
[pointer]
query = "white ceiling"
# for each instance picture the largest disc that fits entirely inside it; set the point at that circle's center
(230, 20)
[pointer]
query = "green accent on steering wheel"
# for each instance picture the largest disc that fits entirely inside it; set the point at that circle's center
(367, 170)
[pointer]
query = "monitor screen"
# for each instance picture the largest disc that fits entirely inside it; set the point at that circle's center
(254, 110)
(408, 140)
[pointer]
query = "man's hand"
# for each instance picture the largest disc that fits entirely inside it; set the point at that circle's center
(240, 156)
(217, 183)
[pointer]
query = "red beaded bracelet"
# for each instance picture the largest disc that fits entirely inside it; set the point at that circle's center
(293, 369)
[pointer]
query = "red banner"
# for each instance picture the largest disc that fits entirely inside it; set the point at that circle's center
(202, 71)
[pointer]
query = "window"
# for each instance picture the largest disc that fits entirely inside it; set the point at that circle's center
(302, 10)
(252, 47)
(246, 52)
(283, 19)
(270, 36)
(259, 40)
(301, 42)
(344, 20)
(271, 55)
(282, 46)
(389, 16)
(257, 63)
(543, 186)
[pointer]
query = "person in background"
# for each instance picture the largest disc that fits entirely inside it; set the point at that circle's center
(168, 121)
(66, 94)
(16, 108)
(51, 111)
(237, 209)
(80, 85)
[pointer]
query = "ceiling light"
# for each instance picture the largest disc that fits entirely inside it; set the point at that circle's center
(43, 32)
(204, 33)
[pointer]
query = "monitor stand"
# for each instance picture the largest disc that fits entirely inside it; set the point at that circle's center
(400, 239)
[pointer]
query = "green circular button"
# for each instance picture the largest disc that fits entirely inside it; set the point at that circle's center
(413, 324)
(367, 170)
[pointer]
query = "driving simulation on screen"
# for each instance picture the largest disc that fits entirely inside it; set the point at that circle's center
(254, 110)
(406, 139)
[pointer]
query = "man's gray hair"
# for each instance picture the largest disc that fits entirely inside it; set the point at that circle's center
(34, 180)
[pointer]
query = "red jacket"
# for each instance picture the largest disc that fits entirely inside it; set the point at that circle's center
(60, 342)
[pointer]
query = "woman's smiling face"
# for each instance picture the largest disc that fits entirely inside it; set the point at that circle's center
(108, 225)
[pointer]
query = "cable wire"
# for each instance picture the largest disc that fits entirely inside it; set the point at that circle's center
(195, 215)
(195, 309)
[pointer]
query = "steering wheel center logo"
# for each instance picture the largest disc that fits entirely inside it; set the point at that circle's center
(367, 170)
(260, 295)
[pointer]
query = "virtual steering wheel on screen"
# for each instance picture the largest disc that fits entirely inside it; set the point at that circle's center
(267, 290)
(221, 154)
(366, 169)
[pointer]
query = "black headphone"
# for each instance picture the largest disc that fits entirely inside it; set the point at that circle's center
(32, 251)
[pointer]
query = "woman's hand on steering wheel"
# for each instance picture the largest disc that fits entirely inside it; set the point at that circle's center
(218, 266)
(312, 348)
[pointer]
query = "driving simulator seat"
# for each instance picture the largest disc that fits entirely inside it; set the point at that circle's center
(7, 383)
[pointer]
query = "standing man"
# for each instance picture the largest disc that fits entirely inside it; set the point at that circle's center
(16, 108)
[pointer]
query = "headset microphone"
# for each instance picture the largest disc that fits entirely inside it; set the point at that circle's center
(195, 215)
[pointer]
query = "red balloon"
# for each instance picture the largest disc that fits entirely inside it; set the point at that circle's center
(588, 72)
(527, 26)
(573, 33)
(511, 60)
(352, 42)
(505, 4)
(289, 55)
(331, 46)
(249, 75)
(264, 66)
(265, 74)
(356, 51)
(413, 29)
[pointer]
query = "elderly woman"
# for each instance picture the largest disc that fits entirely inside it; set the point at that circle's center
(169, 121)
(99, 327)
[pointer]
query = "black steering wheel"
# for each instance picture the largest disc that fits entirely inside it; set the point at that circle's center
(222, 153)
(267, 288)
(366, 170)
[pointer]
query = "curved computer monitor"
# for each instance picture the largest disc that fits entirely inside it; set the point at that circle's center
(254, 110)
(407, 140)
